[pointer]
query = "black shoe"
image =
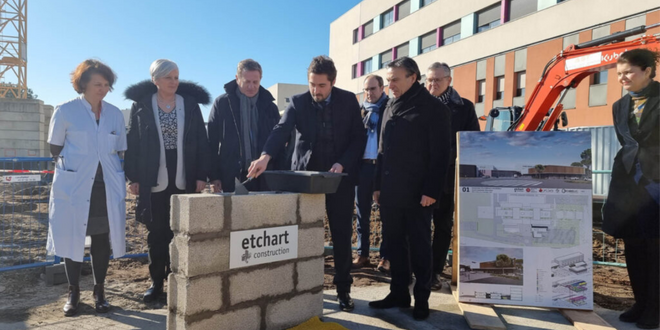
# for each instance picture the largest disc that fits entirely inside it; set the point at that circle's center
(649, 319)
(436, 283)
(345, 302)
(391, 301)
(153, 292)
(632, 314)
(421, 311)
(71, 306)
(100, 304)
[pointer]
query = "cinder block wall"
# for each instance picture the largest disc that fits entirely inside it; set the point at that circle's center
(203, 293)
(24, 128)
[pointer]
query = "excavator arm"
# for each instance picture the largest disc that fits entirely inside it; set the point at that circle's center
(568, 68)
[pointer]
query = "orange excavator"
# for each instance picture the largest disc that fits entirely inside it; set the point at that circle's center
(543, 110)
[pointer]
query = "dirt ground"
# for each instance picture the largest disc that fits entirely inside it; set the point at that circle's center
(24, 296)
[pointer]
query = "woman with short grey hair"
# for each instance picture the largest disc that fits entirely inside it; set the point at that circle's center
(167, 154)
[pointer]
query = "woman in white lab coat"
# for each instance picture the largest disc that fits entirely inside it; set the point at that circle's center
(87, 197)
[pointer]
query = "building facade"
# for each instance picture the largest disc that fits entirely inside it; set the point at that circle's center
(497, 48)
(283, 92)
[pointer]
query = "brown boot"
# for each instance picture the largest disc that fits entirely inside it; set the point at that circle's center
(361, 261)
(100, 304)
(384, 266)
(71, 306)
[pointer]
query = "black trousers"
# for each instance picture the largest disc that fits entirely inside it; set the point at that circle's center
(363, 202)
(443, 221)
(408, 235)
(339, 207)
(642, 261)
(160, 233)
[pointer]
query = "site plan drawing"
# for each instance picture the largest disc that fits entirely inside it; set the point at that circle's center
(525, 219)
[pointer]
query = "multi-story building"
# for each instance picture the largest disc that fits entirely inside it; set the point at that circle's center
(283, 93)
(497, 48)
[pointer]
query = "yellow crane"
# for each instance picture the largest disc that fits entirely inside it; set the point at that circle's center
(13, 49)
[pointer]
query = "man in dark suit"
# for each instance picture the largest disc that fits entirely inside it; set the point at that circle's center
(413, 157)
(239, 124)
(463, 118)
(330, 137)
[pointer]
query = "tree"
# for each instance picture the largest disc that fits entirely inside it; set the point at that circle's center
(30, 93)
(502, 260)
(586, 158)
(576, 164)
(539, 169)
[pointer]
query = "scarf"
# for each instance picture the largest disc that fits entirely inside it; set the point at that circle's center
(444, 97)
(249, 126)
(370, 120)
(639, 101)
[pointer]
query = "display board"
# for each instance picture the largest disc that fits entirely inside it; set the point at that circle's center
(525, 219)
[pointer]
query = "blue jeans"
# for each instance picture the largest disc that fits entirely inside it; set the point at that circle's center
(363, 201)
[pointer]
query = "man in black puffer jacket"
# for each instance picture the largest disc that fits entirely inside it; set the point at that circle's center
(239, 124)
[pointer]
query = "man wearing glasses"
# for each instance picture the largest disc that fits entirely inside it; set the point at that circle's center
(372, 110)
(463, 118)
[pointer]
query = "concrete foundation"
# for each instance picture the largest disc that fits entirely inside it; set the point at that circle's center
(204, 293)
(24, 128)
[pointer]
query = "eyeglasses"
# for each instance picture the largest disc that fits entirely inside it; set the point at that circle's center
(436, 80)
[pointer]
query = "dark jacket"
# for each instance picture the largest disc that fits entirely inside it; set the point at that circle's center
(348, 131)
(640, 143)
(143, 154)
(225, 138)
(413, 156)
(463, 118)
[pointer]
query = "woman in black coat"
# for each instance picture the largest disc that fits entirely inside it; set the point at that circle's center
(167, 154)
(631, 211)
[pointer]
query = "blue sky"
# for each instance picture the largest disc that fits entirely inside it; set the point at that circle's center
(511, 150)
(206, 39)
(470, 254)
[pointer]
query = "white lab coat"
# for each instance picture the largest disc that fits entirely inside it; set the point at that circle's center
(73, 126)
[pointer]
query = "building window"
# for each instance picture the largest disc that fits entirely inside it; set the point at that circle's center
(404, 9)
(366, 66)
(451, 33)
(356, 36)
(428, 42)
(520, 8)
(481, 90)
(387, 18)
(402, 51)
(520, 83)
(368, 28)
(427, 2)
(488, 18)
(499, 85)
(385, 58)
(354, 73)
(599, 78)
(287, 100)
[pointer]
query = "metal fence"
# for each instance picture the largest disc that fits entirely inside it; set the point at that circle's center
(24, 193)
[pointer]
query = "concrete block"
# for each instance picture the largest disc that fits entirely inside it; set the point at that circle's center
(310, 242)
(197, 213)
(310, 274)
(263, 210)
(197, 258)
(246, 286)
(244, 319)
(312, 207)
(191, 296)
(54, 275)
(284, 314)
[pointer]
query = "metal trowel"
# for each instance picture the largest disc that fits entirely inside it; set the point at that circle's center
(240, 188)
